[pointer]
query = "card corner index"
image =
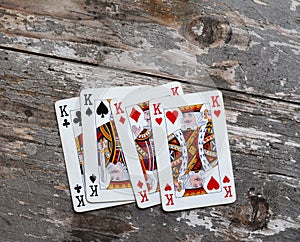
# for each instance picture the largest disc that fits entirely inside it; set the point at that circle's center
(215, 92)
(230, 193)
(62, 108)
(176, 83)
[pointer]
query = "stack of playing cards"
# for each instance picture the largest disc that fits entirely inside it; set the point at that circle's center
(151, 145)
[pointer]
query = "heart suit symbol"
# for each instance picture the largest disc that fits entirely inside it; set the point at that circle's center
(168, 187)
(226, 179)
(158, 120)
(213, 184)
(217, 112)
(172, 116)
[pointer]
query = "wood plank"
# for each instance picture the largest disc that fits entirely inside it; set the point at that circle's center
(231, 45)
(264, 139)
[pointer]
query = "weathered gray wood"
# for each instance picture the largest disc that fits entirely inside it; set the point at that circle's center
(51, 50)
(34, 182)
(182, 39)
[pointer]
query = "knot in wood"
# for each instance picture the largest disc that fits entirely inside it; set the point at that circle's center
(28, 113)
(255, 215)
(207, 30)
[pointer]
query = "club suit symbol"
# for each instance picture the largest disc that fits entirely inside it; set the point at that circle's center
(66, 123)
(78, 188)
(78, 119)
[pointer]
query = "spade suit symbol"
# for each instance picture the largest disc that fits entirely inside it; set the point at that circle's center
(93, 178)
(102, 109)
(88, 112)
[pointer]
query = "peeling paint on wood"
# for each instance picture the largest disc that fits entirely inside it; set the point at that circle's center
(50, 51)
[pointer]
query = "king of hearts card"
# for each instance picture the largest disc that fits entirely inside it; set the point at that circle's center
(192, 151)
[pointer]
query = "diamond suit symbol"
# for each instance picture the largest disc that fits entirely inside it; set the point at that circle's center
(122, 120)
(140, 184)
(135, 114)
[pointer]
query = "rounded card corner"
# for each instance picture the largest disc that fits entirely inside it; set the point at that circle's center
(233, 199)
(167, 209)
(57, 103)
(219, 92)
(141, 206)
(77, 210)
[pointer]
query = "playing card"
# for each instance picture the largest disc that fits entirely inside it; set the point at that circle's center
(133, 123)
(106, 173)
(69, 121)
(192, 151)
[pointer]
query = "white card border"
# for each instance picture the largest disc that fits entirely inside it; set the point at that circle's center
(90, 143)
(70, 155)
(131, 156)
(164, 170)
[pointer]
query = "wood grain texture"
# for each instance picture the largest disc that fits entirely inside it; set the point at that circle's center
(50, 50)
(182, 39)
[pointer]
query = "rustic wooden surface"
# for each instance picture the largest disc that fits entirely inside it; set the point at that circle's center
(50, 50)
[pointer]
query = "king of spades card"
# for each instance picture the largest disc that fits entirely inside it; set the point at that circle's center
(111, 161)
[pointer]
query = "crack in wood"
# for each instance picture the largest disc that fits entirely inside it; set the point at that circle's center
(146, 74)
(50, 51)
